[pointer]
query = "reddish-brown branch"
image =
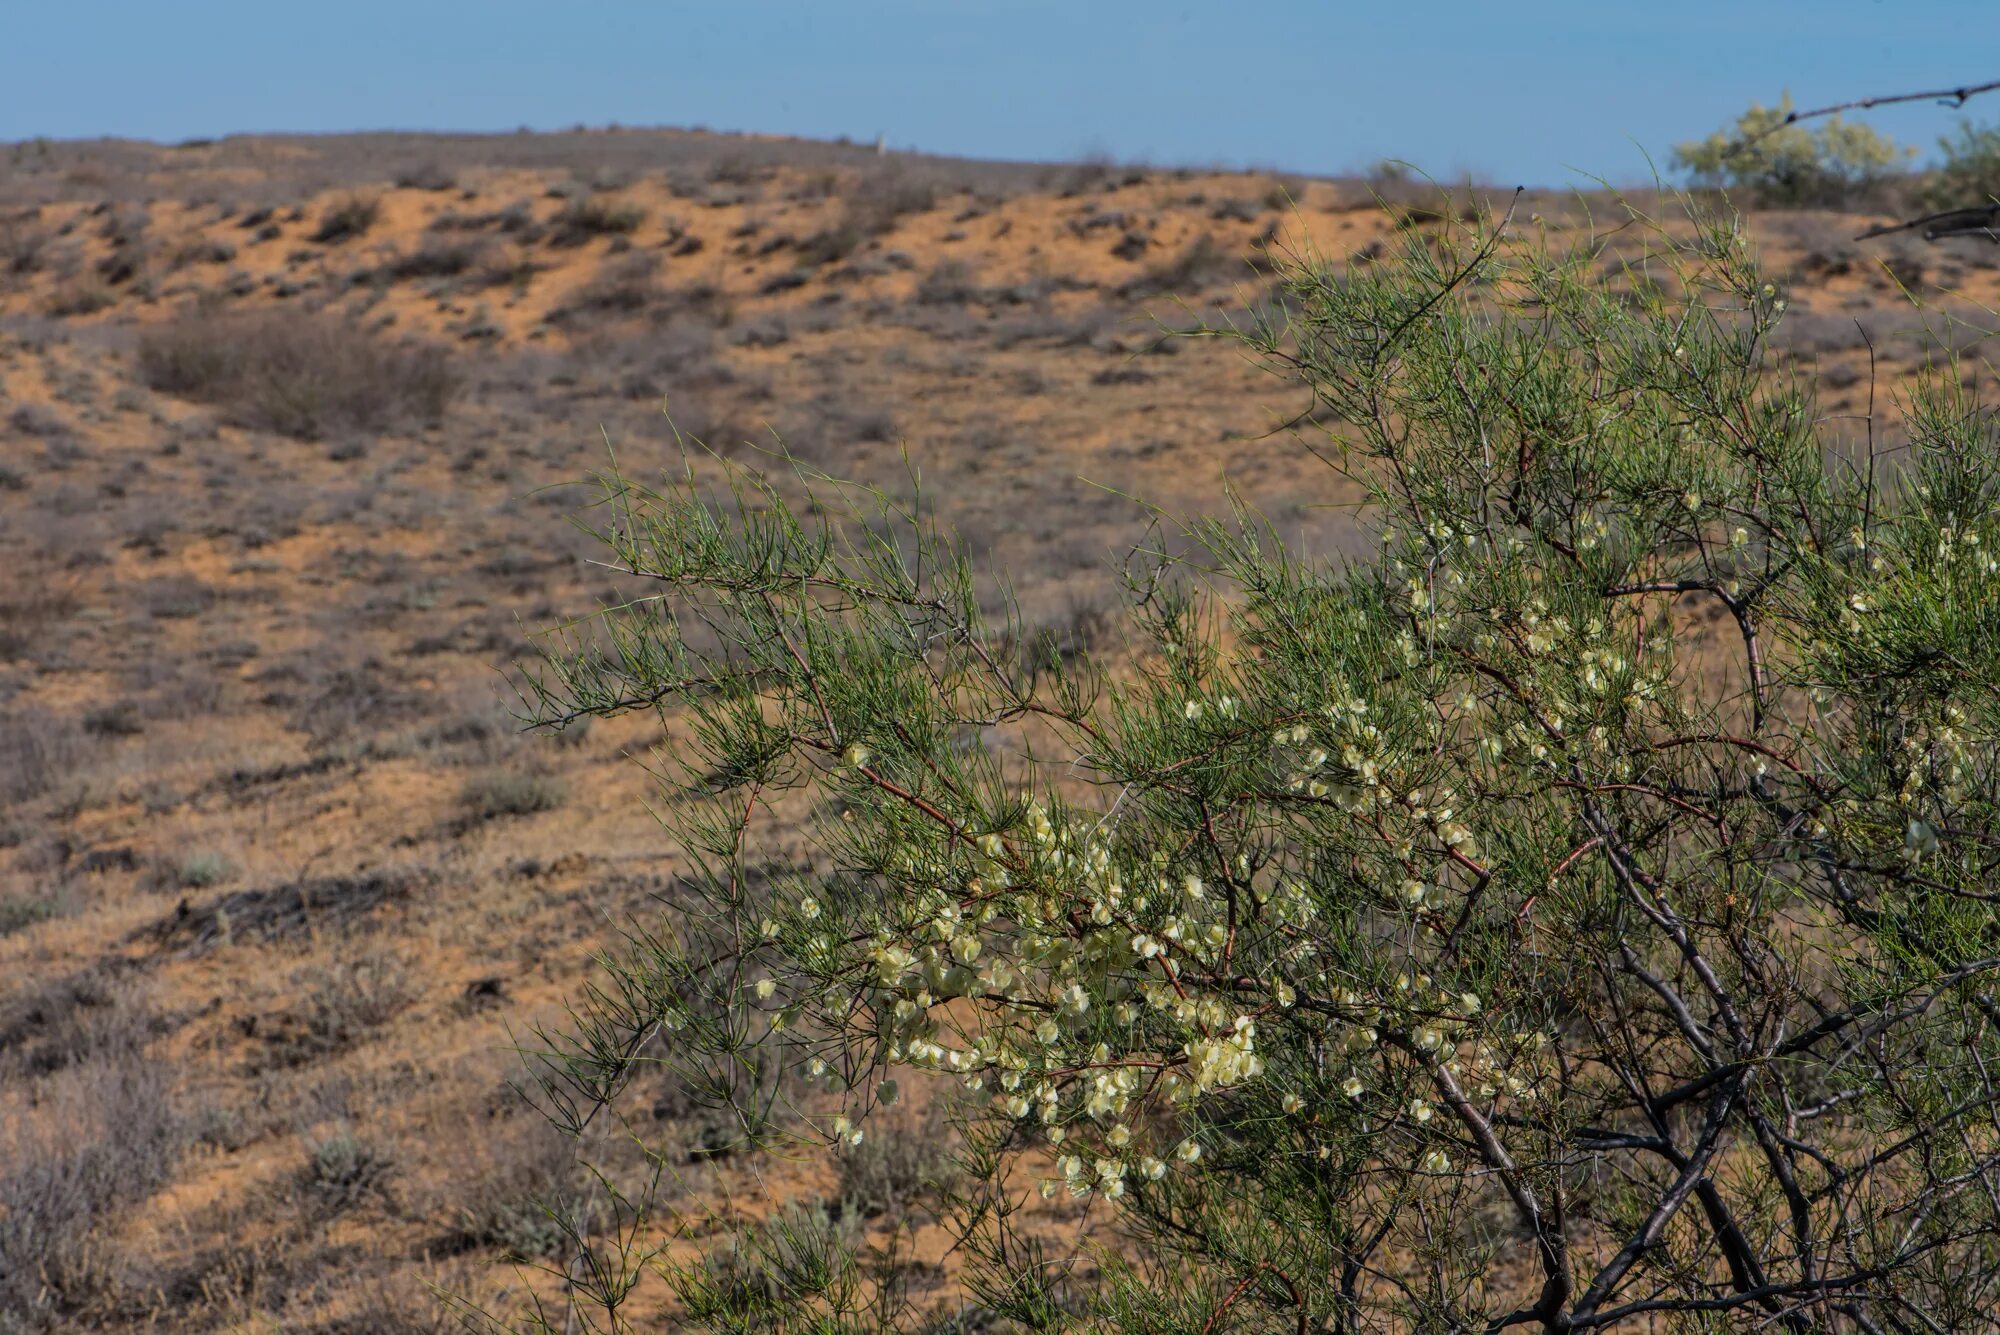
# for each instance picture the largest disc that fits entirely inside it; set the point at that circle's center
(1243, 1286)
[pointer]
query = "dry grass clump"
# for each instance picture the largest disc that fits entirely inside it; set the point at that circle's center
(299, 373)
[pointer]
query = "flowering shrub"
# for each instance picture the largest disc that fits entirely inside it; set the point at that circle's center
(1575, 913)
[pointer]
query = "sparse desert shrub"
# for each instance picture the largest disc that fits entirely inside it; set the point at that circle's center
(949, 283)
(344, 704)
(339, 1004)
(1069, 637)
(873, 424)
(435, 258)
(346, 219)
(1237, 210)
(831, 244)
(518, 221)
(517, 1186)
(20, 912)
(197, 870)
(37, 419)
(1080, 178)
(1797, 166)
(32, 605)
(125, 229)
(590, 216)
(500, 793)
(69, 1021)
(23, 245)
(397, 1305)
(882, 198)
(732, 169)
(476, 734)
(203, 250)
(119, 718)
(95, 1140)
(84, 295)
(173, 597)
(1969, 174)
(506, 269)
(426, 176)
(767, 331)
(298, 372)
(904, 1158)
(1812, 334)
(38, 754)
(342, 1172)
(1201, 262)
(1572, 911)
(624, 285)
(1901, 268)
(286, 912)
(1284, 193)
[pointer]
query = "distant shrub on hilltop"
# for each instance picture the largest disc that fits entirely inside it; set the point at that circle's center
(1833, 164)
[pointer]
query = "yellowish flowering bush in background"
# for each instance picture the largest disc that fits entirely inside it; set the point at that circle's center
(1837, 163)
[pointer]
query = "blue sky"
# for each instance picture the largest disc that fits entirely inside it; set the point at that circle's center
(1529, 93)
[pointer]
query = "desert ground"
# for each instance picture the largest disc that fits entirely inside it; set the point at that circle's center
(289, 436)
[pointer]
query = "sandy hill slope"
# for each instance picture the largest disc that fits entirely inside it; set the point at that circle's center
(285, 425)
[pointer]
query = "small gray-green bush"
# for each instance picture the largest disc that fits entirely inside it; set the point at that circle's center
(201, 869)
(342, 1171)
